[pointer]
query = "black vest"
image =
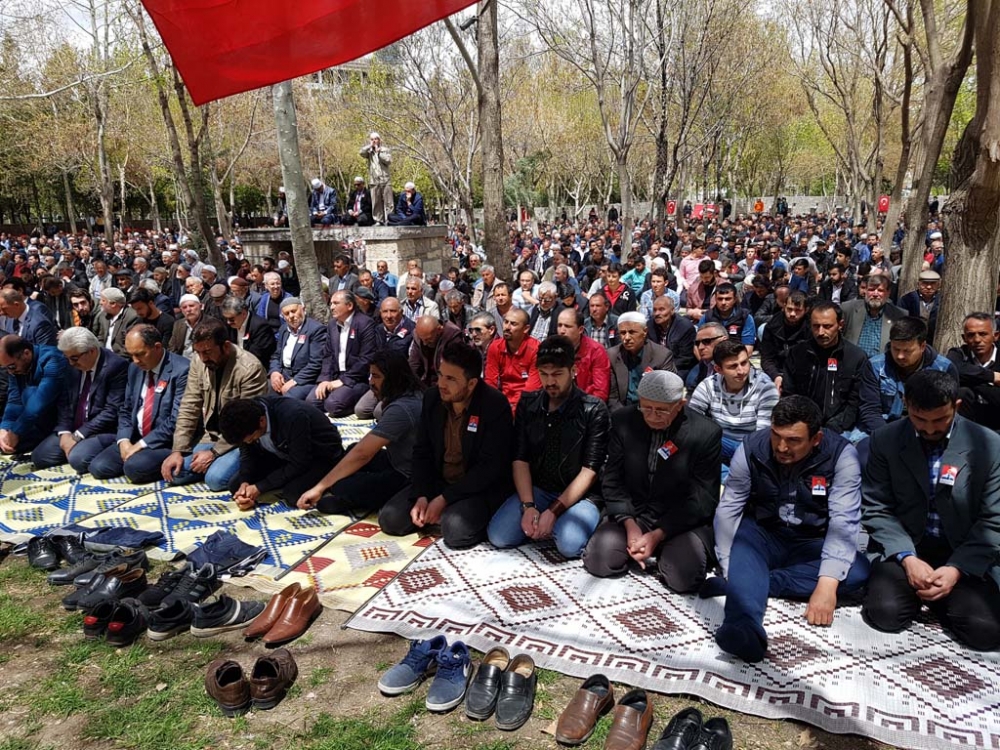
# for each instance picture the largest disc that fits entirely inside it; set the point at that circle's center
(734, 326)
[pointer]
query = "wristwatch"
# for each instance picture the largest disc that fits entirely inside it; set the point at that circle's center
(525, 506)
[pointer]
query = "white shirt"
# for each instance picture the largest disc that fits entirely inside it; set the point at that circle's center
(142, 397)
(345, 334)
(286, 353)
(111, 328)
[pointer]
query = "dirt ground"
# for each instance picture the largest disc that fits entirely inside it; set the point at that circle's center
(59, 691)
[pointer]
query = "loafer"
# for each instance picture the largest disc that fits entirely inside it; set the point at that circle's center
(223, 615)
(96, 623)
(271, 677)
(153, 596)
(128, 622)
(682, 731)
(170, 620)
(67, 576)
(71, 602)
(115, 563)
(413, 668)
(70, 547)
(593, 699)
(454, 673)
(194, 585)
(517, 693)
(226, 684)
(129, 585)
(269, 617)
(295, 618)
(630, 723)
(481, 700)
(715, 735)
(42, 553)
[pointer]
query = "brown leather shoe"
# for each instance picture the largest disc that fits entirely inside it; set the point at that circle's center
(594, 699)
(266, 619)
(226, 684)
(271, 677)
(631, 722)
(295, 618)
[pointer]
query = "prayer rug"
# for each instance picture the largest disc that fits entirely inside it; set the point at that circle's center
(352, 429)
(350, 569)
(916, 689)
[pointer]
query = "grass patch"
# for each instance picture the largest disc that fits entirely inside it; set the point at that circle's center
(375, 733)
(59, 695)
(119, 672)
(19, 621)
(320, 676)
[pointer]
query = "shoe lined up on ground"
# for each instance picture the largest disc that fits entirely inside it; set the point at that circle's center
(117, 584)
(223, 615)
(592, 700)
(120, 623)
(287, 615)
(481, 700)
(452, 678)
(517, 693)
(271, 677)
(47, 552)
(414, 668)
(193, 585)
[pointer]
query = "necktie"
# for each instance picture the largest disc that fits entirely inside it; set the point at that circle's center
(17, 325)
(147, 406)
(81, 404)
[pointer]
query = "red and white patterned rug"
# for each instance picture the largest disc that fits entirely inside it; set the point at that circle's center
(917, 689)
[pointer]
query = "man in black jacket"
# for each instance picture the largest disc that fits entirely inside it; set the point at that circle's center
(783, 332)
(461, 459)
(286, 446)
(673, 331)
(834, 374)
(248, 331)
(661, 486)
(978, 370)
(358, 206)
(562, 440)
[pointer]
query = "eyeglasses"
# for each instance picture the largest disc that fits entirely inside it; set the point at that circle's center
(656, 411)
(477, 330)
(706, 342)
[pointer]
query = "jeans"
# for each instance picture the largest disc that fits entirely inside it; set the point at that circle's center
(220, 471)
(572, 530)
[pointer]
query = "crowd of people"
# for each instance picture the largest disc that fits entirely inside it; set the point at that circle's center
(730, 403)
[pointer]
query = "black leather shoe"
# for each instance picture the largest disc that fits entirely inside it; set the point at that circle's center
(42, 553)
(682, 731)
(128, 622)
(96, 623)
(71, 602)
(714, 735)
(481, 699)
(115, 564)
(131, 584)
(70, 548)
(517, 693)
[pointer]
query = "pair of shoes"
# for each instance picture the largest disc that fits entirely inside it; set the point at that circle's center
(153, 596)
(287, 616)
(193, 585)
(229, 687)
(90, 566)
(453, 665)
(594, 698)
(120, 622)
(223, 615)
(46, 552)
(116, 585)
(689, 731)
(630, 722)
(504, 685)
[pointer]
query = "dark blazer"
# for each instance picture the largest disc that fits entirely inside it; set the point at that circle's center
(258, 339)
(679, 340)
(553, 319)
(896, 495)
(847, 293)
(911, 303)
(177, 338)
(361, 348)
(684, 491)
(37, 328)
(121, 327)
(399, 341)
(486, 450)
(307, 355)
(366, 201)
(654, 357)
(299, 430)
(170, 385)
(107, 392)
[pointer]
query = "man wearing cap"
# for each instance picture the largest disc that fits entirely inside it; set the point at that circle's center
(281, 210)
(322, 204)
(923, 302)
(216, 296)
(191, 256)
(560, 446)
(191, 315)
(409, 208)
(379, 159)
(209, 276)
(298, 357)
(359, 205)
(661, 488)
(114, 321)
(633, 357)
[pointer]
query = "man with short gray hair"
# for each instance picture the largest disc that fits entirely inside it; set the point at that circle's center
(114, 321)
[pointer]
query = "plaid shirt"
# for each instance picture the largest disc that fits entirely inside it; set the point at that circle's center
(934, 452)
(600, 334)
(870, 339)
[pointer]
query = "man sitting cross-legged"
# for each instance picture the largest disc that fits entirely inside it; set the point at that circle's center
(661, 486)
(787, 526)
(562, 441)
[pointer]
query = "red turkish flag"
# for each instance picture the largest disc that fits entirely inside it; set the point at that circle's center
(223, 48)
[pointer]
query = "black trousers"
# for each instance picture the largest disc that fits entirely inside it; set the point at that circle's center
(463, 524)
(368, 489)
(971, 611)
(292, 491)
(682, 561)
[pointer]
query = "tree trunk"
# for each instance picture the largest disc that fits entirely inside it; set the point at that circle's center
(105, 188)
(154, 207)
(625, 188)
(70, 210)
(490, 127)
(221, 215)
(303, 249)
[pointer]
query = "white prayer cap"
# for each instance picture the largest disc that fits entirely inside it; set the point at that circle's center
(409, 186)
(632, 317)
(188, 298)
(316, 183)
(373, 134)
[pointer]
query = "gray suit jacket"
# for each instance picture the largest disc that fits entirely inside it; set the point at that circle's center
(654, 357)
(854, 318)
(896, 491)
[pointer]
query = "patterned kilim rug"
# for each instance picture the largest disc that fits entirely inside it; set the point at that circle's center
(917, 689)
(350, 569)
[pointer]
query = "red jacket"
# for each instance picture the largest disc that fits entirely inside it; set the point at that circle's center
(593, 369)
(512, 373)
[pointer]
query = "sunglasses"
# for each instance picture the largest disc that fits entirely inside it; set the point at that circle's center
(705, 342)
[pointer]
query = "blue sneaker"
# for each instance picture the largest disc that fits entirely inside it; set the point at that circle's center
(454, 673)
(412, 670)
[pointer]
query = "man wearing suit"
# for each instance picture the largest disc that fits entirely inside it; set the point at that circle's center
(88, 407)
(932, 509)
(286, 446)
(114, 321)
(343, 279)
(298, 358)
(248, 331)
(633, 357)
(347, 354)
(192, 313)
(673, 331)
(867, 322)
(661, 488)
(323, 204)
(430, 338)
(37, 378)
(219, 373)
(26, 318)
(146, 420)
(461, 458)
(838, 286)
(978, 370)
(393, 333)
(358, 208)
(923, 302)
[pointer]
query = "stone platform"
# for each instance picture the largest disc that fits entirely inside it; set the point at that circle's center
(394, 245)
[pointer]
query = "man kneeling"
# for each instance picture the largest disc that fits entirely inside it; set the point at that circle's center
(286, 446)
(561, 442)
(787, 525)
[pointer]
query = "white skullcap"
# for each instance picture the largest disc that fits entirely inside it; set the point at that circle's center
(409, 186)
(661, 386)
(316, 183)
(188, 298)
(209, 268)
(373, 134)
(632, 317)
(657, 262)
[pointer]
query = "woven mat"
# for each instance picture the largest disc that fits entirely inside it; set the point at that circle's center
(348, 570)
(916, 689)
